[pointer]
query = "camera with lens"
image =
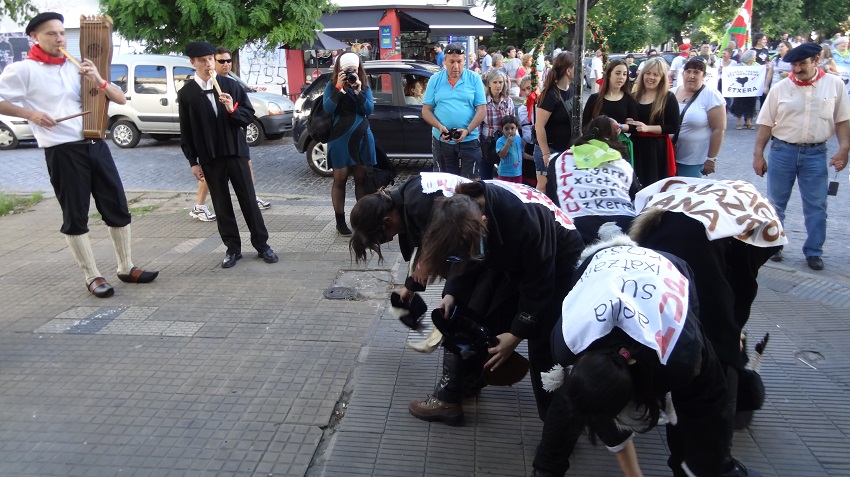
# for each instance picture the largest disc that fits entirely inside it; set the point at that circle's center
(351, 76)
(452, 133)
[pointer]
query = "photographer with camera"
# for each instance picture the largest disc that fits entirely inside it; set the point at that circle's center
(455, 106)
(349, 100)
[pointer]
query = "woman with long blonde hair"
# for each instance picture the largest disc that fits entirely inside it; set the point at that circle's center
(657, 118)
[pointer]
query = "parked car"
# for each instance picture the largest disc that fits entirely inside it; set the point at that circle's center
(151, 82)
(13, 130)
(398, 127)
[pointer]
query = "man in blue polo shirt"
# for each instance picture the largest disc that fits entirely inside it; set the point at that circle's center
(455, 106)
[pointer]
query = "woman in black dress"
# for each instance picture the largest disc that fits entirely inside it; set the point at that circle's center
(617, 102)
(553, 115)
(657, 118)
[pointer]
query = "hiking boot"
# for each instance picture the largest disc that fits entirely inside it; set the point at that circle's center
(202, 213)
(432, 409)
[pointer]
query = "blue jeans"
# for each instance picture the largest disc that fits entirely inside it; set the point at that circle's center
(461, 159)
(787, 162)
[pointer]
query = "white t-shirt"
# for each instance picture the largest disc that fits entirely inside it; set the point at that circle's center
(677, 64)
(512, 66)
(602, 190)
(694, 133)
(595, 67)
(52, 89)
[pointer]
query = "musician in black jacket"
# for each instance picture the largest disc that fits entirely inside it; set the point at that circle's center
(212, 135)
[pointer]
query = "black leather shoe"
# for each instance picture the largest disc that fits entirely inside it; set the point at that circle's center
(100, 288)
(269, 256)
(777, 257)
(815, 263)
(230, 260)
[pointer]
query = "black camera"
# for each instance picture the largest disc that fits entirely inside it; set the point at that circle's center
(452, 133)
(351, 76)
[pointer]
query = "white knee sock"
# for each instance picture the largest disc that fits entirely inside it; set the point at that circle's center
(81, 249)
(121, 241)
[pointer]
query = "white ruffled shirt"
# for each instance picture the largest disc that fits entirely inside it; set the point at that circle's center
(52, 89)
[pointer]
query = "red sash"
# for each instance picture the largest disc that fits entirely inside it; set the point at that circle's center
(671, 152)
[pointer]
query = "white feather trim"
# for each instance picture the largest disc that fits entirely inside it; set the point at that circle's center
(612, 241)
(429, 344)
(398, 312)
(554, 378)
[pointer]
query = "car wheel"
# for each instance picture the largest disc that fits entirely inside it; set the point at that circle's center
(125, 134)
(317, 158)
(8, 140)
(254, 133)
(162, 137)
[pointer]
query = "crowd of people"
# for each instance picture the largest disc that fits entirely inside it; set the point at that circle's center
(512, 257)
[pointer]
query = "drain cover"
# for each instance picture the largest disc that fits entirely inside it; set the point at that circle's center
(339, 293)
(809, 357)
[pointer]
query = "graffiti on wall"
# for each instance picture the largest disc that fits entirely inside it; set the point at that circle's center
(13, 47)
(263, 69)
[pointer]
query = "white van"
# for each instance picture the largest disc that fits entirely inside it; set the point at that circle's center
(151, 82)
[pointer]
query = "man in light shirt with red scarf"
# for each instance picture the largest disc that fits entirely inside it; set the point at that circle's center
(800, 114)
(49, 89)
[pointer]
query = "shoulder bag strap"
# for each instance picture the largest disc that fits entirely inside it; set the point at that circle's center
(682, 114)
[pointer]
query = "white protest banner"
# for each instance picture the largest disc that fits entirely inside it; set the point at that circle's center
(710, 80)
(743, 81)
(844, 74)
(632, 288)
(441, 181)
(602, 190)
(725, 208)
(530, 195)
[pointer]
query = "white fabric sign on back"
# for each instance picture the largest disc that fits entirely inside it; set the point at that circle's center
(632, 288)
(441, 181)
(602, 190)
(725, 208)
(743, 81)
(710, 80)
(530, 195)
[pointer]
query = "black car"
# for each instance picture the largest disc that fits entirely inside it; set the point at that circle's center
(398, 127)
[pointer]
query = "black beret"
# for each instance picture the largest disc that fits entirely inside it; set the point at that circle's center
(41, 18)
(196, 49)
(800, 53)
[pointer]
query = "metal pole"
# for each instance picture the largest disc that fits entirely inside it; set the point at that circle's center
(578, 52)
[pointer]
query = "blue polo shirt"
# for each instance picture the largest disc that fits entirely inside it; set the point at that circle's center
(455, 106)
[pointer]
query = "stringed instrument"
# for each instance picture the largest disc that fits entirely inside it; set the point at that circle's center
(96, 46)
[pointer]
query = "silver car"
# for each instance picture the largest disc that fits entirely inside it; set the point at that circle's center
(151, 82)
(12, 131)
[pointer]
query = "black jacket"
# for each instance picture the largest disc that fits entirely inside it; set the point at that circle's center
(415, 208)
(205, 136)
(692, 372)
(525, 241)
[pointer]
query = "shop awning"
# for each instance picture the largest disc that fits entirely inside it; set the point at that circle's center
(350, 25)
(448, 22)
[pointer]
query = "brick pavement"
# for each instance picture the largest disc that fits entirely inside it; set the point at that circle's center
(250, 371)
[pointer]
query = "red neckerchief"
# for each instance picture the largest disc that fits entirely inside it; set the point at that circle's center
(37, 54)
(818, 76)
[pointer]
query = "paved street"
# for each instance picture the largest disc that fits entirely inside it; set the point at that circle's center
(251, 371)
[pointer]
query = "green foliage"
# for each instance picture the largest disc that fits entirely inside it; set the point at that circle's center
(627, 25)
(167, 26)
(20, 11)
(13, 204)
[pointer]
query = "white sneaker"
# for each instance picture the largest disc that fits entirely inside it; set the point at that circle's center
(202, 213)
(262, 204)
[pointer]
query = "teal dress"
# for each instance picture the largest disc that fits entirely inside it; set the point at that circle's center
(351, 142)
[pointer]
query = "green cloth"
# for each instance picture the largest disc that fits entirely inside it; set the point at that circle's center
(594, 153)
(628, 142)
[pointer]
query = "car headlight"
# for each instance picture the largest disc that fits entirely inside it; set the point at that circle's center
(274, 108)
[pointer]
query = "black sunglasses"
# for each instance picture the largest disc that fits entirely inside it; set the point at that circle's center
(454, 51)
(221, 62)
(480, 256)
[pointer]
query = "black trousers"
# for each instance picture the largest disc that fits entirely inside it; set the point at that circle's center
(79, 171)
(235, 170)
